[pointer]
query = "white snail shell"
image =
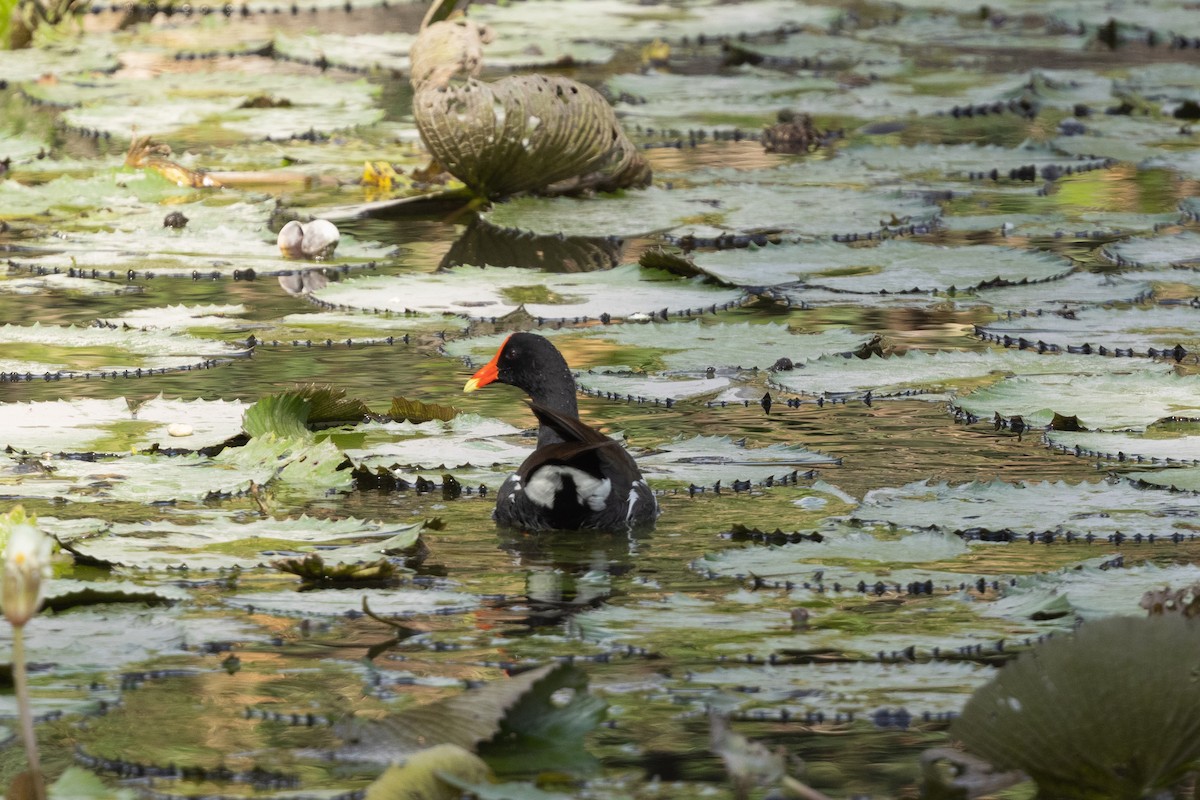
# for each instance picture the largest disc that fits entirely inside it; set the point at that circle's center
(313, 240)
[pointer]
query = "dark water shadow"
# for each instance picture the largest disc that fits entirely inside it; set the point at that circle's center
(485, 244)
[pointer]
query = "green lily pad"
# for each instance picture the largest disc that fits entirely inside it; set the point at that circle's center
(705, 460)
(69, 352)
(891, 266)
(930, 375)
(1101, 402)
(174, 102)
(1178, 250)
(681, 347)
(1123, 447)
(1133, 331)
(113, 426)
(222, 541)
(625, 291)
(714, 209)
(1186, 479)
(969, 161)
(1101, 509)
(341, 602)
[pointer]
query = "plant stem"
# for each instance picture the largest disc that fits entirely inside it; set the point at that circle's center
(21, 681)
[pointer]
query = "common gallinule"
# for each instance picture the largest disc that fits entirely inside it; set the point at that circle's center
(577, 478)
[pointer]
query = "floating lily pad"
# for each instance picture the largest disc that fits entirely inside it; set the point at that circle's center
(931, 374)
(892, 266)
(181, 318)
(213, 541)
(718, 209)
(1133, 331)
(375, 51)
(622, 386)
(1073, 291)
(18, 282)
(221, 238)
(971, 161)
(174, 102)
(489, 293)
(32, 63)
(1179, 250)
(1104, 402)
(682, 347)
(69, 352)
(117, 192)
(466, 440)
(1068, 223)
(663, 100)
(1127, 447)
(341, 602)
(624, 21)
(1089, 591)
(1186, 479)
(112, 426)
(1100, 509)
(704, 460)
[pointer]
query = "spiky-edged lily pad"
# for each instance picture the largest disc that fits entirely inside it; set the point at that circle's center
(892, 266)
(490, 293)
(218, 541)
(465, 440)
(70, 352)
(60, 59)
(676, 102)
(1075, 290)
(221, 238)
(931, 374)
(113, 426)
(340, 602)
(1186, 479)
(1104, 402)
(1127, 447)
(972, 161)
(24, 282)
(704, 460)
(181, 317)
(1100, 509)
(714, 208)
(1119, 678)
(175, 101)
(625, 21)
(371, 51)
(682, 347)
(1133, 331)
(1181, 249)
(119, 193)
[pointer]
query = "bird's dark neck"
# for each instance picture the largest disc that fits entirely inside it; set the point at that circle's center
(556, 391)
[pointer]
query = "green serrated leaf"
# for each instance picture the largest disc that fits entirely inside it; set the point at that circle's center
(285, 415)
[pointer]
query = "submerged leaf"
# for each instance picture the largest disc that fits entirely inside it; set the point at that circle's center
(1106, 712)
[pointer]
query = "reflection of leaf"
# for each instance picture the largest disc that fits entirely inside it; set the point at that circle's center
(485, 244)
(313, 571)
(1107, 712)
(525, 133)
(416, 411)
(469, 718)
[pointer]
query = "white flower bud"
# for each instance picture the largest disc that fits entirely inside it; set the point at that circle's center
(26, 566)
